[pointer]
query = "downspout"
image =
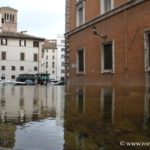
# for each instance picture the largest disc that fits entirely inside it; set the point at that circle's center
(125, 47)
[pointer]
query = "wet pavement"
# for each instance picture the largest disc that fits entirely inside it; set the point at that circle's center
(74, 118)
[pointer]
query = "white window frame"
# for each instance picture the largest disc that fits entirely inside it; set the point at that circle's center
(103, 91)
(102, 3)
(82, 90)
(22, 42)
(147, 50)
(77, 61)
(102, 58)
(81, 5)
(3, 41)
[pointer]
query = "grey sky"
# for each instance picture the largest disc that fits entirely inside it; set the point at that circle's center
(44, 18)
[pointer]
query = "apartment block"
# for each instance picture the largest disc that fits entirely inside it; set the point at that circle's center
(19, 52)
(53, 58)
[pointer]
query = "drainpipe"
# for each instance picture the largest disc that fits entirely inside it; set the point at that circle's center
(126, 46)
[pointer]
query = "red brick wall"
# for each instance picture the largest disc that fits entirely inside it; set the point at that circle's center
(92, 10)
(119, 2)
(92, 45)
(127, 31)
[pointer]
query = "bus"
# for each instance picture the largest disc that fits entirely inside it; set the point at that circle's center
(39, 78)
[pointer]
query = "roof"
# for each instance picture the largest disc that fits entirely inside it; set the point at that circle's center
(50, 44)
(20, 35)
(7, 7)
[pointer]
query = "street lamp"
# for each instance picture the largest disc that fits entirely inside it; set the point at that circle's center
(25, 31)
(102, 35)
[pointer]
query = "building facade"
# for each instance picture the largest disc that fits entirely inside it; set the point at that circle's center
(60, 57)
(107, 42)
(53, 58)
(49, 55)
(19, 52)
(8, 19)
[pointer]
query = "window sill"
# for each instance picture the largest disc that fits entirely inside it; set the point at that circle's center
(81, 73)
(107, 72)
(147, 69)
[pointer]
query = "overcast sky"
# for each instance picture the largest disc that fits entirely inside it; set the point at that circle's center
(43, 18)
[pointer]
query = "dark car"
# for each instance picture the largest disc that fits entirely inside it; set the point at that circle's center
(61, 82)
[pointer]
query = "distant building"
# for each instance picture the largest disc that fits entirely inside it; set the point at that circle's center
(53, 58)
(8, 19)
(107, 42)
(19, 52)
(60, 57)
(49, 56)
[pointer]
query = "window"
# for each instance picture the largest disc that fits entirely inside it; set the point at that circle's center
(3, 41)
(7, 17)
(2, 67)
(62, 56)
(80, 61)
(13, 18)
(13, 68)
(62, 64)
(62, 71)
(22, 42)
(53, 64)
(21, 68)
(35, 57)
(3, 55)
(62, 41)
(147, 52)
(80, 100)
(106, 5)
(35, 68)
(35, 43)
(10, 17)
(2, 20)
(46, 64)
(107, 104)
(13, 77)
(22, 56)
(53, 57)
(62, 49)
(80, 13)
(107, 57)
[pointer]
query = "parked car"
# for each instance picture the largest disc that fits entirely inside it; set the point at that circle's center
(61, 82)
(9, 82)
(52, 81)
(55, 82)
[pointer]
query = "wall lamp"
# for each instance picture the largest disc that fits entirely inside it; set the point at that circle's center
(104, 36)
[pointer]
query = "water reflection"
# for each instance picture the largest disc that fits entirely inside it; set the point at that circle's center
(20, 106)
(73, 118)
(25, 103)
(105, 116)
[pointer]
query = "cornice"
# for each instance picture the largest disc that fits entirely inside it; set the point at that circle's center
(105, 16)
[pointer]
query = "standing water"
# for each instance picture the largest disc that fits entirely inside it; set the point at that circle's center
(74, 118)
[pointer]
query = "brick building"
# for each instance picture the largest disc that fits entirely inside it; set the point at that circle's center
(107, 42)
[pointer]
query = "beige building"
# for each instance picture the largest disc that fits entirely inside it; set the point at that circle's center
(19, 52)
(53, 58)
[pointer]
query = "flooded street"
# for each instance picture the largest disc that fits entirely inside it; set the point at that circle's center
(74, 118)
